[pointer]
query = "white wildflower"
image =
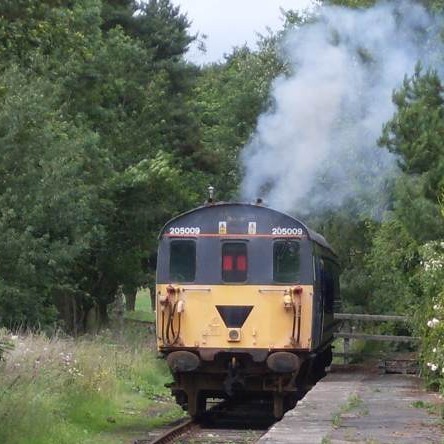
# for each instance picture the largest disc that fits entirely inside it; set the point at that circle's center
(434, 350)
(433, 367)
(433, 323)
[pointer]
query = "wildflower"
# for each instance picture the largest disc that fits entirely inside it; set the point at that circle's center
(434, 350)
(433, 367)
(433, 323)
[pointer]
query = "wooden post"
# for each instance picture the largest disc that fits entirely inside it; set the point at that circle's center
(346, 342)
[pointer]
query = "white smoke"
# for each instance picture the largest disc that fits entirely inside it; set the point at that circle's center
(318, 144)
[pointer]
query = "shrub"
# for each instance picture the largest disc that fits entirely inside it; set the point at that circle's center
(429, 317)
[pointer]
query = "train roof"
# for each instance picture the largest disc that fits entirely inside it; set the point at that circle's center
(311, 234)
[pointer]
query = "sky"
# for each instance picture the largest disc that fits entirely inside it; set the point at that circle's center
(229, 23)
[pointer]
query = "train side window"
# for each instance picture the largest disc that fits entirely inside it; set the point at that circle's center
(286, 261)
(234, 262)
(331, 285)
(183, 260)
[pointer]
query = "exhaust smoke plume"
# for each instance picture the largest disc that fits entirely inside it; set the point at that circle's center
(317, 146)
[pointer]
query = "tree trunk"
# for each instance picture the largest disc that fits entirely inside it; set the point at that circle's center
(103, 313)
(130, 299)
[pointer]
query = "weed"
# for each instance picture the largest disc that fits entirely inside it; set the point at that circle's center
(430, 407)
(336, 420)
(354, 401)
(63, 391)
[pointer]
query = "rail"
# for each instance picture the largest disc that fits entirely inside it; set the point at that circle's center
(173, 434)
(348, 333)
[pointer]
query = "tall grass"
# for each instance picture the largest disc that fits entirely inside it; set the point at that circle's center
(57, 390)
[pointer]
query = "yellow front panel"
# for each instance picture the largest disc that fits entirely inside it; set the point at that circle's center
(269, 324)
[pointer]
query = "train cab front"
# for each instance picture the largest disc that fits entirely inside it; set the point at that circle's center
(236, 305)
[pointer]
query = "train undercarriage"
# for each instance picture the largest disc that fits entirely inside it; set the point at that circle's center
(281, 379)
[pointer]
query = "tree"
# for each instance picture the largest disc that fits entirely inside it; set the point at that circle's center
(413, 134)
(416, 132)
(94, 128)
(48, 197)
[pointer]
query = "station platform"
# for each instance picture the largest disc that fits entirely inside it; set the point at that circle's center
(356, 406)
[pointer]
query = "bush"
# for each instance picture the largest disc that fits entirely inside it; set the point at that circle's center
(429, 316)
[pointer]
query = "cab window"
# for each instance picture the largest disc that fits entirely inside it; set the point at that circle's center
(183, 260)
(234, 262)
(286, 261)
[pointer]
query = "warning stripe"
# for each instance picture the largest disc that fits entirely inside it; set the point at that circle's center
(238, 236)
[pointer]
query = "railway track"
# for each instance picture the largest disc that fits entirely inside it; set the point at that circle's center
(191, 432)
(240, 424)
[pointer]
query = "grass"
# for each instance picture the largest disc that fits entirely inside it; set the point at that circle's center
(103, 389)
(354, 402)
(436, 409)
(360, 350)
(143, 310)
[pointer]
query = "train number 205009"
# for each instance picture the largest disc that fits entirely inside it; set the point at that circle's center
(287, 231)
(184, 230)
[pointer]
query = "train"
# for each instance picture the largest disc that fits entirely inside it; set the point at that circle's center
(245, 297)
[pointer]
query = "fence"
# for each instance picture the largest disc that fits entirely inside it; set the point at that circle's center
(348, 333)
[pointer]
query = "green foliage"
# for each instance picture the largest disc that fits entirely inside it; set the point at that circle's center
(5, 344)
(91, 391)
(392, 264)
(351, 3)
(229, 98)
(49, 195)
(351, 236)
(106, 132)
(408, 254)
(99, 148)
(415, 134)
(429, 317)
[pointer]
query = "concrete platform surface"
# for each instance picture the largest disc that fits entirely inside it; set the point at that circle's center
(365, 408)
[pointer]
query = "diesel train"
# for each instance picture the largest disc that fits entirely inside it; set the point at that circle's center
(245, 297)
